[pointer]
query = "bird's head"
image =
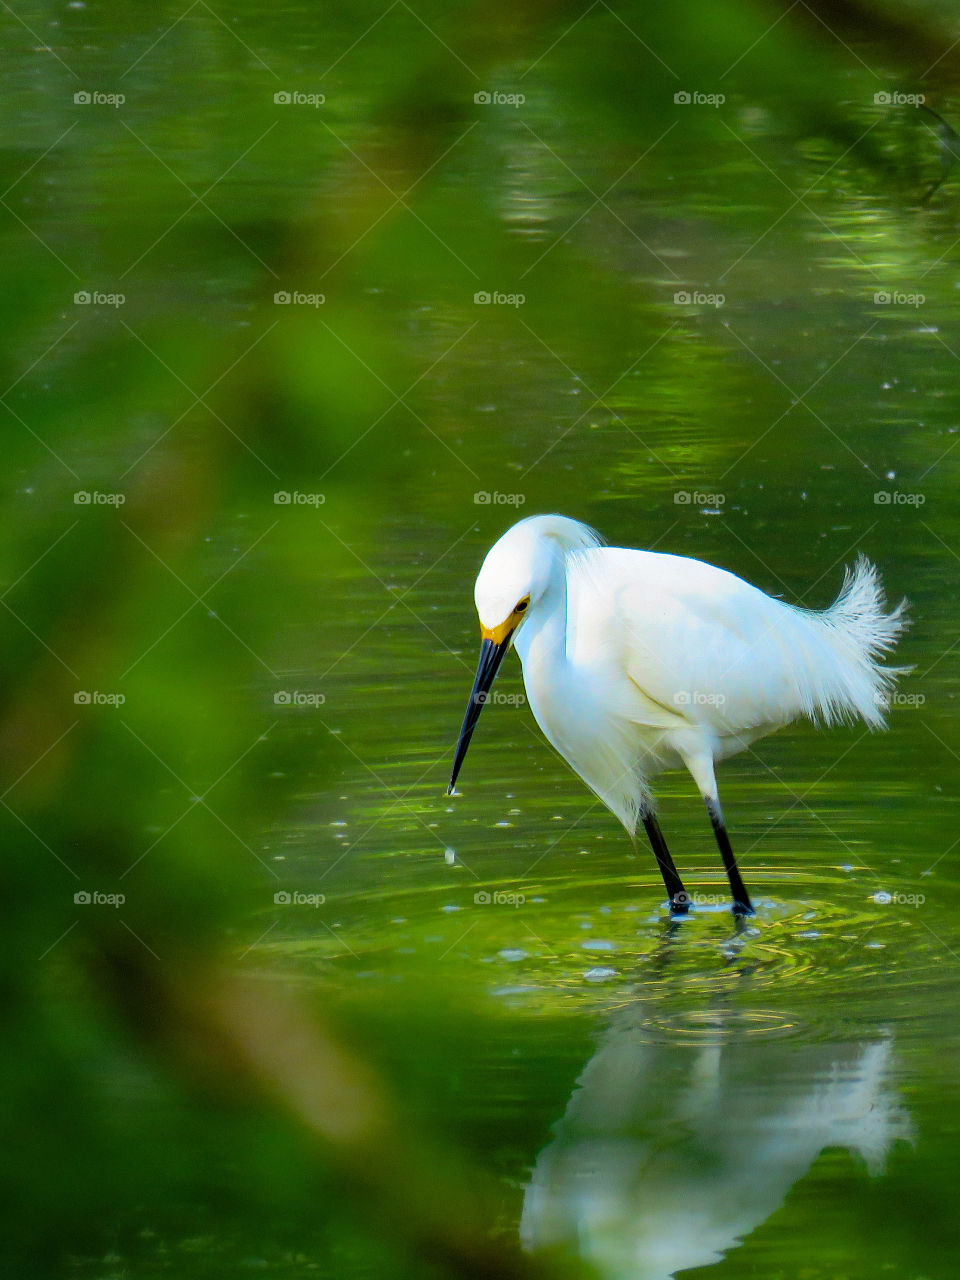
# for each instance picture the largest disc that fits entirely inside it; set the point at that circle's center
(516, 573)
(513, 575)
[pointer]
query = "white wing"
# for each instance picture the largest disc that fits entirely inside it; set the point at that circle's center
(699, 643)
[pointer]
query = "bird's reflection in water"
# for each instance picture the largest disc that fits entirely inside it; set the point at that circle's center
(669, 1154)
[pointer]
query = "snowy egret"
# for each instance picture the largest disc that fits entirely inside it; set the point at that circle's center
(665, 1161)
(636, 661)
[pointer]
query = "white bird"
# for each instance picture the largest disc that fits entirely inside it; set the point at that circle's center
(665, 1159)
(636, 661)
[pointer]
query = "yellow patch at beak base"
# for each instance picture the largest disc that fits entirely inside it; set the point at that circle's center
(500, 633)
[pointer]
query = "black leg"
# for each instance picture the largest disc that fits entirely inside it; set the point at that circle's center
(679, 898)
(742, 906)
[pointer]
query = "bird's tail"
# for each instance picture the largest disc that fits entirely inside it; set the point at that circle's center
(857, 631)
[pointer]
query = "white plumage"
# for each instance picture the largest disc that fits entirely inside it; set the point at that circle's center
(636, 661)
(746, 1116)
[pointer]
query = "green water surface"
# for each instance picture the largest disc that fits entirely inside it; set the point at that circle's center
(778, 1099)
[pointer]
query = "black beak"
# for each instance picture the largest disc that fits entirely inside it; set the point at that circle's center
(491, 655)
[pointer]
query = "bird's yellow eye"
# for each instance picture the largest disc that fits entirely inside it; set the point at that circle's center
(521, 605)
